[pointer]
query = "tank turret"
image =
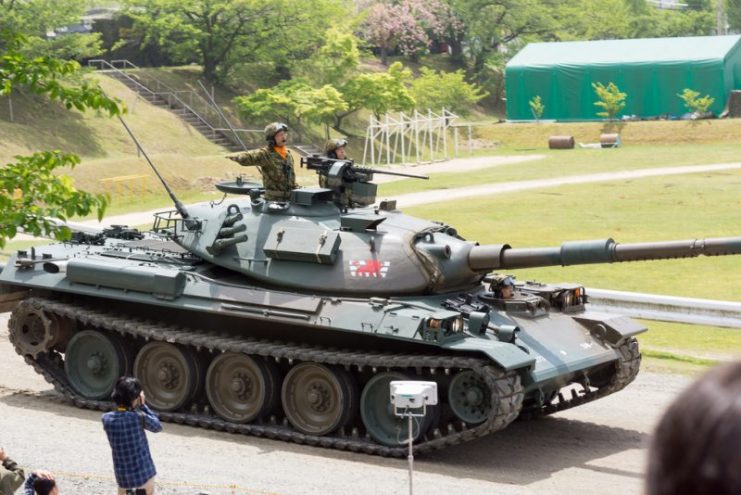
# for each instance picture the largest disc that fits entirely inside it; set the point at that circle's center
(289, 320)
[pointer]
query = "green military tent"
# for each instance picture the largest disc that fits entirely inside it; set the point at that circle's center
(651, 71)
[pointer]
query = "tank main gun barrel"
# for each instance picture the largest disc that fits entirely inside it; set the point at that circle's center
(496, 256)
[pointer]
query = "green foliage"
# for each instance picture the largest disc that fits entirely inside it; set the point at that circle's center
(31, 191)
(32, 195)
(380, 92)
(277, 102)
(610, 99)
(293, 101)
(335, 61)
(34, 18)
(449, 90)
(220, 34)
(733, 13)
(319, 105)
(537, 107)
(694, 102)
(50, 77)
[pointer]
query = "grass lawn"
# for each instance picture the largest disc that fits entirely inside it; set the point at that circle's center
(559, 163)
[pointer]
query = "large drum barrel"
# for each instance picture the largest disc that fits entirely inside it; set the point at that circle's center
(561, 142)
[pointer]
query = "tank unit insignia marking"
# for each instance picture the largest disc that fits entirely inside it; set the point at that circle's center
(369, 268)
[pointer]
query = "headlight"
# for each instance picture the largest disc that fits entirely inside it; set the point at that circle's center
(457, 325)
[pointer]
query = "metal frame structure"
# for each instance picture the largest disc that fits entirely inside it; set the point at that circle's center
(416, 137)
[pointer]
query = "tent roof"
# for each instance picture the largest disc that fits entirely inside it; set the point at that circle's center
(621, 52)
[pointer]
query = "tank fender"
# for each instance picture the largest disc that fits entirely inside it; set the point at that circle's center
(613, 329)
(506, 355)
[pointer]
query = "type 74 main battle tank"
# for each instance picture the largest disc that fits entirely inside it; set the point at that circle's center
(289, 320)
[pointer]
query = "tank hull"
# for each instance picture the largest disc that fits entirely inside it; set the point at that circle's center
(139, 304)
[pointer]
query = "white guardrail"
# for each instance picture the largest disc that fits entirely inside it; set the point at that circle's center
(666, 308)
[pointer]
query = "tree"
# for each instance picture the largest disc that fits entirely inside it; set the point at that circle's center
(32, 192)
(537, 107)
(319, 105)
(379, 92)
(610, 99)
(434, 89)
(733, 11)
(694, 102)
(38, 19)
(408, 26)
(277, 102)
(335, 61)
(221, 34)
(293, 102)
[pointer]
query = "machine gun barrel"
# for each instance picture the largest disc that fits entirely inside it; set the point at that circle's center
(387, 172)
(324, 164)
(491, 257)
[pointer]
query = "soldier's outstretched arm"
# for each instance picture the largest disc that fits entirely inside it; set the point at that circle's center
(248, 158)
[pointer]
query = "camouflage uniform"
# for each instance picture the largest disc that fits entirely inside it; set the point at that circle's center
(278, 176)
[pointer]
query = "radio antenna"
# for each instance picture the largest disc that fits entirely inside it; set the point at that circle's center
(178, 205)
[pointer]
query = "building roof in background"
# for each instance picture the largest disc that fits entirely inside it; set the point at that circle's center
(609, 52)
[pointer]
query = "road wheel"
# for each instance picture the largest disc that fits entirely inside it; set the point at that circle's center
(241, 388)
(318, 399)
(170, 375)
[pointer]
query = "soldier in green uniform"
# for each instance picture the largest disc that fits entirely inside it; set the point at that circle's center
(335, 148)
(274, 161)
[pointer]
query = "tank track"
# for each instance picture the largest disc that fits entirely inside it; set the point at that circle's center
(506, 396)
(626, 369)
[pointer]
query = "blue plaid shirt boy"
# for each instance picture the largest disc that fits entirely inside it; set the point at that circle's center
(132, 461)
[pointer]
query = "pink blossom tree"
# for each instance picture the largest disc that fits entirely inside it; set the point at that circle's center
(407, 25)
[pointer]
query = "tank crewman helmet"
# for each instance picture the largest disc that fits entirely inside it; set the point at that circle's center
(332, 145)
(272, 129)
(500, 281)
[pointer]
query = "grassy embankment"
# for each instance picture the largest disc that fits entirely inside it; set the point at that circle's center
(676, 207)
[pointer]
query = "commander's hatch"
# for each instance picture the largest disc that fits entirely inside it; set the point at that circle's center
(360, 223)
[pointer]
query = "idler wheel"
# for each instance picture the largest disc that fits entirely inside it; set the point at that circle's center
(469, 397)
(318, 399)
(94, 361)
(33, 332)
(170, 375)
(378, 413)
(241, 388)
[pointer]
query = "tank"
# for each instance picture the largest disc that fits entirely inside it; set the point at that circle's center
(289, 320)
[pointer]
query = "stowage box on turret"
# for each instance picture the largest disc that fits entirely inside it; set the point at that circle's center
(289, 319)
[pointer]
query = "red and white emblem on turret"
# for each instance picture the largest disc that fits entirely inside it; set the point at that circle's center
(369, 268)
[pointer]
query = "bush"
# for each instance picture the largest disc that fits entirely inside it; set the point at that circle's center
(696, 104)
(436, 90)
(537, 107)
(610, 99)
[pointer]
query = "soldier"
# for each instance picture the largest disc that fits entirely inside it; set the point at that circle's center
(274, 161)
(335, 148)
(503, 287)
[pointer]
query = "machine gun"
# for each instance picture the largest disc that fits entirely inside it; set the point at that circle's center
(352, 185)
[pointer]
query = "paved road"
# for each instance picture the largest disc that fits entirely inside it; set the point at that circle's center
(595, 449)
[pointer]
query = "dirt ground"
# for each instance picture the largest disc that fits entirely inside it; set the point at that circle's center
(599, 448)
